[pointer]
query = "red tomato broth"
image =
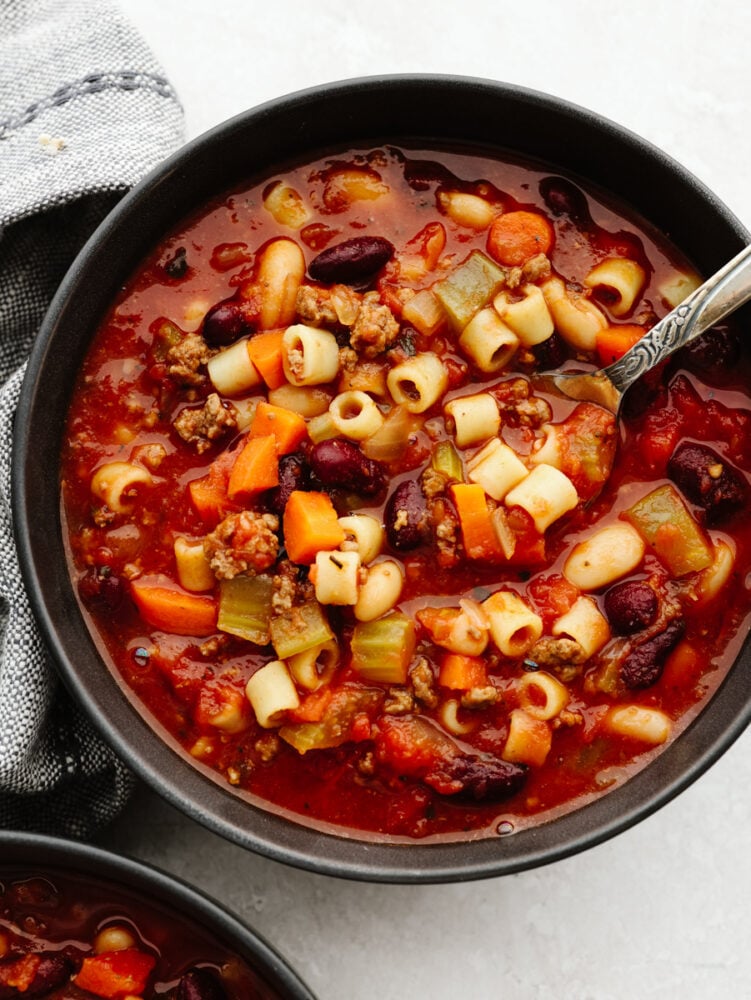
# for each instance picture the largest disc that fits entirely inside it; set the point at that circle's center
(332, 787)
(48, 913)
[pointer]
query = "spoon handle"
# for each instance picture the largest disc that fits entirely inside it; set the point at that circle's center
(720, 295)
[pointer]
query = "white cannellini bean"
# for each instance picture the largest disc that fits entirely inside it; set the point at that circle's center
(604, 557)
(380, 591)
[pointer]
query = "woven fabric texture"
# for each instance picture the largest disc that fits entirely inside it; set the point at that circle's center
(85, 112)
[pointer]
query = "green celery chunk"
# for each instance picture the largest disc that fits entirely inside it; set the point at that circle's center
(468, 288)
(335, 728)
(299, 629)
(665, 523)
(445, 459)
(382, 649)
(245, 608)
(166, 336)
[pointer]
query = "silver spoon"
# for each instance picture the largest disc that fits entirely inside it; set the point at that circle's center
(727, 290)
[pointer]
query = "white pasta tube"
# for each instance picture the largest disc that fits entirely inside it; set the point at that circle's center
(466, 209)
(231, 371)
(112, 483)
(271, 692)
(448, 714)
(281, 269)
(380, 591)
(529, 740)
(193, 569)
(488, 341)
(336, 577)
(529, 317)
(418, 382)
(621, 276)
(310, 356)
(712, 579)
(355, 415)
(469, 632)
(585, 624)
(678, 287)
(514, 626)
(604, 557)
(497, 468)
(314, 667)
(546, 494)
(639, 722)
(364, 534)
(541, 695)
(476, 418)
(576, 318)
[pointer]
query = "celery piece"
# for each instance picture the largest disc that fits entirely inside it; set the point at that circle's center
(245, 608)
(665, 523)
(335, 728)
(445, 459)
(299, 629)
(166, 336)
(468, 288)
(382, 649)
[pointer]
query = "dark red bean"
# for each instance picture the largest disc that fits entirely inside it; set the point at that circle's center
(716, 350)
(200, 984)
(352, 261)
(644, 664)
(708, 480)
(630, 607)
(406, 517)
(227, 321)
(482, 777)
(341, 463)
(294, 474)
(551, 353)
(101, 589)
(52, 972)
(564, 198)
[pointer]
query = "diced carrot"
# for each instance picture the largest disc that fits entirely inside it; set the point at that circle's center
(478, 534)
(461, 673)
(310, 526)
(288, 428)
(165, 606)
(265, 351)
(614, 341)
(115, 973)
(313, 707)
(515, 237)
(209, 493)
(256, 468)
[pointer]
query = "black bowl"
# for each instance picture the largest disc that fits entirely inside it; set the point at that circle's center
(428, 110)
(37, 855)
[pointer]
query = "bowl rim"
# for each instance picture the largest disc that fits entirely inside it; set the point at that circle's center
(43, 853)
(339, 854)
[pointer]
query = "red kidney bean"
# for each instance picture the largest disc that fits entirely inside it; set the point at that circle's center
(482, 777)
(102, 589)
(227, 321)
(52, 972)
(644, 664)
(340, 463)
(406, 517)
(564, 198)
(630, 607)
(550, 353)
(294, 474)
(708, 480)
(716, 350)
(352, 261)
(200, 984)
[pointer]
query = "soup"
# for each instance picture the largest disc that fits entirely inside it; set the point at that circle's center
(340, 549)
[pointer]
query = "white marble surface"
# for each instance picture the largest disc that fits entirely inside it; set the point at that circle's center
(662, 910)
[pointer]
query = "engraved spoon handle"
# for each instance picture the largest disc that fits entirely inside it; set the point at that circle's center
(720, 295)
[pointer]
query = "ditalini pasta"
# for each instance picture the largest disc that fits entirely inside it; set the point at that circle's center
(339, 544)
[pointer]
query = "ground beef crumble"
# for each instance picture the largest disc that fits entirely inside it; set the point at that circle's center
(243, 543)
(375, 328)
(203, 425)
(186, 358)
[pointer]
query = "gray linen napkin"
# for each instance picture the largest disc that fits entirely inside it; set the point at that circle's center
(85, 112)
